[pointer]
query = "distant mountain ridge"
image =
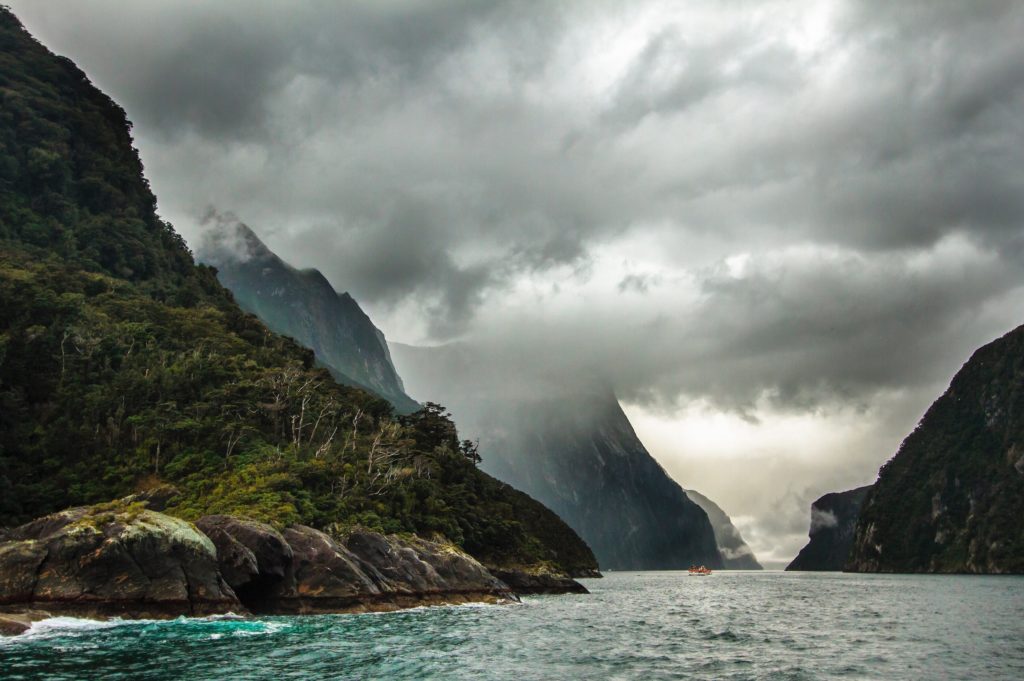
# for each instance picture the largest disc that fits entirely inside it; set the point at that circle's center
(736, 555)
(575, 450)
(833, 522)
(952, 498)
(302, 304)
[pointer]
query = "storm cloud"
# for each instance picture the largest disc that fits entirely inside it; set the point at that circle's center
(766, 208)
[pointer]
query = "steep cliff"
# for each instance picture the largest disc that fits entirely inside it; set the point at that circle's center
(572, 447)
(736, 555)
(303, 305)
(833, 521)
(952, 498)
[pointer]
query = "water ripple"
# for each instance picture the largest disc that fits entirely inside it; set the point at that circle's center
(737, 626)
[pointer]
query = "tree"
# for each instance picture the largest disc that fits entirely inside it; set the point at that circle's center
(433, 428)
(471, 450)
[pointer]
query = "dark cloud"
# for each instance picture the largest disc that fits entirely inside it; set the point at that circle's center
(407, 256)
(214, 68)
(798, 328)
(444, 149)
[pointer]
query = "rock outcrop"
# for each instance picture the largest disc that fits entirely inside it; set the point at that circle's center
(304, 571)
(952, 498)
(538, 581)
(123, 559)
(116, 559)
(14, 623)
(252, 556)
(833, 521)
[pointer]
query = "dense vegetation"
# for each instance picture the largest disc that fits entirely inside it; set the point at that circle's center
(123, 365)
(952, 498)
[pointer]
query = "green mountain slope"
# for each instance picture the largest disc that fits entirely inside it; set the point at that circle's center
(124, 365)
(952, 499)
(303, 305)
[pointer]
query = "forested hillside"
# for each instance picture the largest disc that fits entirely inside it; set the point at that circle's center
(124, 365)
(952, 498)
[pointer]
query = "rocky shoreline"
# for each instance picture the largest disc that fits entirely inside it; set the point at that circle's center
(127, 559)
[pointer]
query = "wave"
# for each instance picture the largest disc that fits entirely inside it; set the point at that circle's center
(53, 627)
(425, 608)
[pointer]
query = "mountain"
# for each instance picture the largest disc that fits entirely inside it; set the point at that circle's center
(303, 305)
(952, 498)
(833, 521)
(569, 445)
(125, 366)
(736, 555)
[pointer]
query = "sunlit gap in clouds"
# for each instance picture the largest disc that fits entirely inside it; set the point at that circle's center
(765, 467)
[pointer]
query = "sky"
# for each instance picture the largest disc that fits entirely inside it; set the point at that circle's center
(777, 229)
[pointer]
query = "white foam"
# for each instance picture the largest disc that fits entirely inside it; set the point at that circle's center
(62, 626)
(424, 608)
(55, 626)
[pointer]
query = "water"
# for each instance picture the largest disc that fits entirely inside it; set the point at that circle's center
(653, 625)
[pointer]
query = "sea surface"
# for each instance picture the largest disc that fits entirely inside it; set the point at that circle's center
(639, 625)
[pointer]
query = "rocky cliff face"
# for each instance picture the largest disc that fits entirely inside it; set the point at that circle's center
(736, 555)
(302, 304)
(833, 521)
(124, 559)
(304, 571)
(117, 559)
(952, 498)
(574, 450)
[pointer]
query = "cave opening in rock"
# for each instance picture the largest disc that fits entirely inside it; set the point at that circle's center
(257, 595)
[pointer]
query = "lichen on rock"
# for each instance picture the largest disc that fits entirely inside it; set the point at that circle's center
(113, 559)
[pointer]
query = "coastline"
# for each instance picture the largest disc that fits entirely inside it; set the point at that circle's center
(124, 560)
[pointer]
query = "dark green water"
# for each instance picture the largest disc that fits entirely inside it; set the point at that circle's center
(633, 626)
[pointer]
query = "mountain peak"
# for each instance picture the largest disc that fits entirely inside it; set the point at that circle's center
(304, 305)
(226, 239)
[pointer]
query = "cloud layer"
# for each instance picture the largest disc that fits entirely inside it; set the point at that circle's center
(766, 208)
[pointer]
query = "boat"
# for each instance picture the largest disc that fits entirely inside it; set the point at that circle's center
(699, 571)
